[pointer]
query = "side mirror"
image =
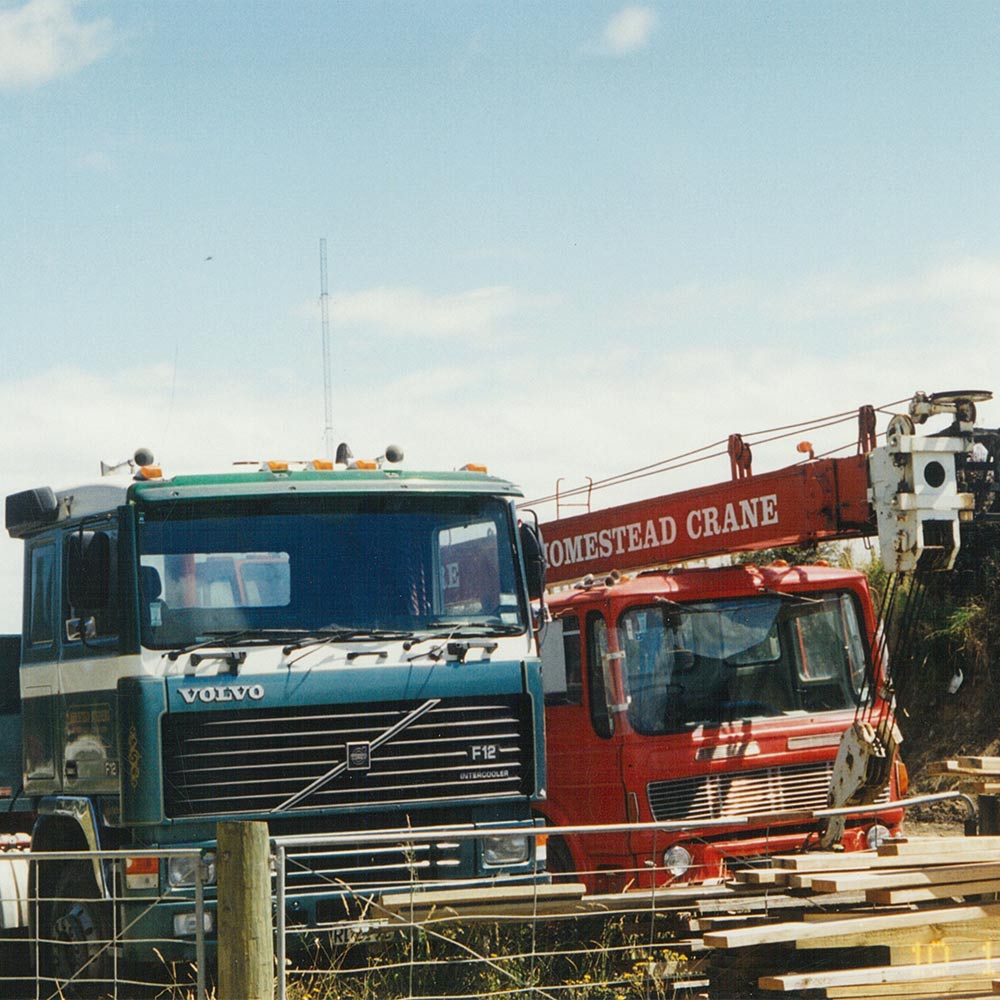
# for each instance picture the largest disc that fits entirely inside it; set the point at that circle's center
(534, 559)
(88, 570)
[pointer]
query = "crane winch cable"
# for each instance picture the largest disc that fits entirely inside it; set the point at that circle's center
(714, 450)
(891, 667)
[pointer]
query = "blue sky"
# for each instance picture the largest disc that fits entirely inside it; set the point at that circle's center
(566, 239)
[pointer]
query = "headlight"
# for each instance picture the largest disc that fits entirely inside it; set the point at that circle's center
(677, 860)
(877, 835)
(186, 924)
(181, 870)
(505, 850)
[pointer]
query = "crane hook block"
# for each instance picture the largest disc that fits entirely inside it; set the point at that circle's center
(913, 488)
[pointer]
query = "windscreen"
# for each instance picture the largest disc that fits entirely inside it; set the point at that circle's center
(717, 661)
(362, 563)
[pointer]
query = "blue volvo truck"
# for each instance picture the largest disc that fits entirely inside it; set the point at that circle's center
(328, 648)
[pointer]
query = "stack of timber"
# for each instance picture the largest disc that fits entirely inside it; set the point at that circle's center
(978, 775)
(916, 919)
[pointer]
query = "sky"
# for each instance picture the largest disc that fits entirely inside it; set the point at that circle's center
(564, 239)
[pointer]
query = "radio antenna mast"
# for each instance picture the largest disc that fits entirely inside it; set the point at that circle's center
(324, 310)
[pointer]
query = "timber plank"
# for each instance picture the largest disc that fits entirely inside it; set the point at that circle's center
(947, 890)
(451, 897)
(821, 915)
(951, 768)
(762, 876)
(943, 951)
(799, 931)
(980, 763)
(939, 846)
(824, 860)
(932, 974)
(907, 878)
(983, 931)
(549, 900)
(778, 901)
(818, 881)
(965, 986)
(854, 861)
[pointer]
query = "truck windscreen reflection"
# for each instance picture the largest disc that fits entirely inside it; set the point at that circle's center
(356, 563)
(718, 661)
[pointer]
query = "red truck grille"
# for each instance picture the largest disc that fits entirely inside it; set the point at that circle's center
(742, 793)
(350, 756)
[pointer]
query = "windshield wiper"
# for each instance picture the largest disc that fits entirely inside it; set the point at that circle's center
(448, 630)
(214, 639)
(232, 658)
(295, 636)
(794, 598)
(343, 633)
(446, 639)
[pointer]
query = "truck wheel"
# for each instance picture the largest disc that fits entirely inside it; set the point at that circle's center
(76, 932)
(559, 861)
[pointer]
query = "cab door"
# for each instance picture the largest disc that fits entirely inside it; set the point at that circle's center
(583, 741)
(39, 673)
(89, 658)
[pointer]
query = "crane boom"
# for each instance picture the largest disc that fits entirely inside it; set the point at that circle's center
(823, 499)
(905, 492)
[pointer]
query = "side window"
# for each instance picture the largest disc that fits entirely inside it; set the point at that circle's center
(571, 651)
(643, 636)
(855, 644)
(597, 674)
(561, 662)
(41, 611)
(90, 591)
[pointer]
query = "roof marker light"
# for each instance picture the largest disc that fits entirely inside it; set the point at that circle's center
(277, 466)
(473, 467)
(149, 472)
(322, 464)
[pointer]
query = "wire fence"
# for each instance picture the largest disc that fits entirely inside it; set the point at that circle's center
(126, 925)
(476, 939)
(98, 923)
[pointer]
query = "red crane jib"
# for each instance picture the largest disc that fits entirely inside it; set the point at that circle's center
(817, 501)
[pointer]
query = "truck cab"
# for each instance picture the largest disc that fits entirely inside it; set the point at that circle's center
(702, 697)
(327, 649)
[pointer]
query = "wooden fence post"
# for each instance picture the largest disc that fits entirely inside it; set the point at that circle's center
(246, 940)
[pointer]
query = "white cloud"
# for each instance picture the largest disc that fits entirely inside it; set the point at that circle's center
(630, 29)
(973, 278)
(398, 312)
(957, 298)
(569, 413)
(44, 39)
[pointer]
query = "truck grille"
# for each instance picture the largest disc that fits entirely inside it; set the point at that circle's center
(346, 756)
(382, 867)
(742, 793)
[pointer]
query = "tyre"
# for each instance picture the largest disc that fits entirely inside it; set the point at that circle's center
(75, 929)
(559, 861)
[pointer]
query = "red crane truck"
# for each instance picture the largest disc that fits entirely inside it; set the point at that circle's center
(700, 695)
